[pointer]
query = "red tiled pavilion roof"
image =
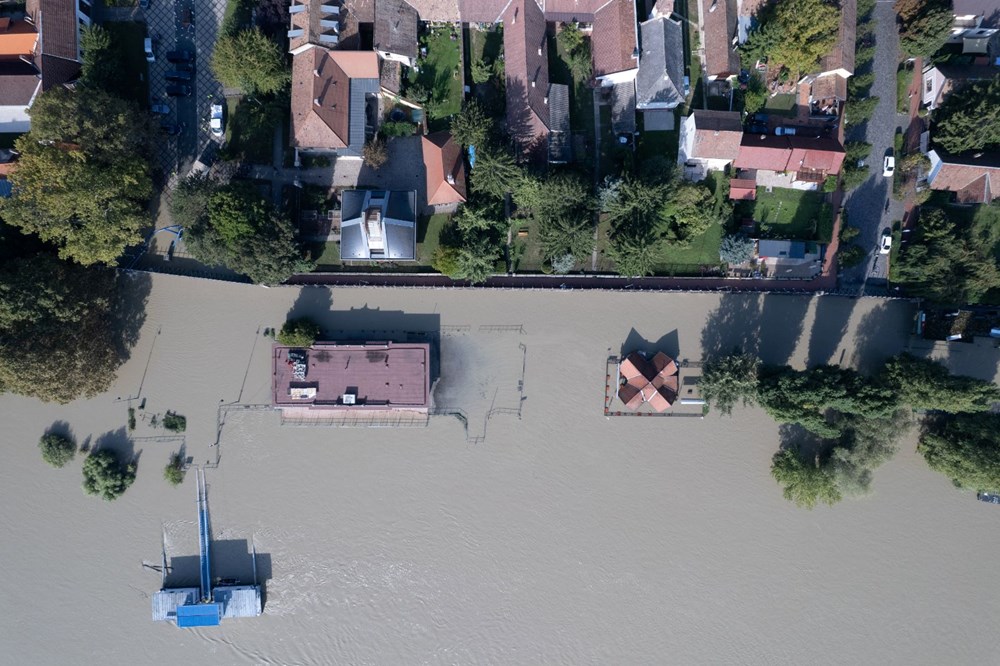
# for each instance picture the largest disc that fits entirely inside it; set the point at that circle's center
(653, 381)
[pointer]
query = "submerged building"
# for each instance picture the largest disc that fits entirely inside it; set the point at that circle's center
(205, 606)
(371, 378)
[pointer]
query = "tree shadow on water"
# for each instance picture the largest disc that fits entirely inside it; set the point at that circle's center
(735, 324)
(793, 437)
(129, 310)
(782, 320)
(833, 313)
(668, 344)
(120, 443)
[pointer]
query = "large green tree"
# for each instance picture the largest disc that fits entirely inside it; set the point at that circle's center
(806, 397)
(927, 385)
(804, 481)
(495, 174)
(251, 61)
(563, 206)
(83, 180)
(730, 379)
(690, 210)
(969, 119)
(241, 231)
(944, 263)
(58, 340)
(471, 126)
(636, 236)
(924, 25)
(865, 446)
(794, 34)
(966, 449)
(105, 476)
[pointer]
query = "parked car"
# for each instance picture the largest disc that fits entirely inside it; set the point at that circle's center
(183, 66)
(215, 122)
(888, 166)
(757, 128)
(885, 244)
(174, 75)
(161, 109)
(147, 45)
(179, 90)
(180, 55)
(785, 131)
(992, 498)
(171, 129)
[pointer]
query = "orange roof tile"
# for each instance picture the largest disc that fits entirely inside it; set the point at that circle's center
(443, 158)
(18, 39)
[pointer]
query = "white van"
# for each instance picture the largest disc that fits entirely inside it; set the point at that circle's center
(148, 46)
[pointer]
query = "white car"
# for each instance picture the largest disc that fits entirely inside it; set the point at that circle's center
(888, 166)
(216, 120)
(885, 245)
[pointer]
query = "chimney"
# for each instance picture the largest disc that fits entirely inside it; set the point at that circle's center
(316, 101)
(315, 72)
(450, 178)
(532, 84)
(539, 50)
(545, 100)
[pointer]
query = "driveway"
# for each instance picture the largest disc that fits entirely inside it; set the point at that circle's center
(866, 206)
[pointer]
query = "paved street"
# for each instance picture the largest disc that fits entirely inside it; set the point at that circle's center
(866, 206)
(182, 25)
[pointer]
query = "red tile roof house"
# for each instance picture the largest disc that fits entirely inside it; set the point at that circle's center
(709, 141)
(445, 171)
(331, 91)
(374, 380)
(830, 81)
(57, 53)
(974, 180)
(719, 37)
(20, 80)
(805, 161)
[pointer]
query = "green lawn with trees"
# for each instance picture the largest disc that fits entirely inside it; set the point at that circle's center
(438, 83)
(789, 214)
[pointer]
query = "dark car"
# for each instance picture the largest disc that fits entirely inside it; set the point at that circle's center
(179, 90)
(175, 75)
(992, 498)
(171, 129)
(180, 55)
(757, 128)
(183, 66)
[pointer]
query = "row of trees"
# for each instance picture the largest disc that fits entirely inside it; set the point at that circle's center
(842, 425)
(232, 225)
(793, 35)
(924, 25)
(969, 119)
(946, 262)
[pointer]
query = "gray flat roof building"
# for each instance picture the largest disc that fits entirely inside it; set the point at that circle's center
(378, 225)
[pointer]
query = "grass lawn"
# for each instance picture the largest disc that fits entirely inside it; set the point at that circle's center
(440, 75)
(250, 130)
(701, 251)
(789, 214)
(904, 77)
(691, 54)
(581, 100)
(429, 236)
(238, 15)
(604, 263)
(782, 105)
(133, 72)
(657, 144)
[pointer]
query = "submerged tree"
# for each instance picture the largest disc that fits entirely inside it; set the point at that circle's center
(299, 332)
(804, 482)
(105, 476)
(57, 450)
(729, 380)
(966, 449)
(59, 340)
(926, 384)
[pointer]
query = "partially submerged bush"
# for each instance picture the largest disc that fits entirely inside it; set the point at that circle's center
(174, 422)
(174, 471)
(301, 332)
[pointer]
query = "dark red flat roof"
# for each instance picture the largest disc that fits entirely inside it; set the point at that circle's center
(381, 375)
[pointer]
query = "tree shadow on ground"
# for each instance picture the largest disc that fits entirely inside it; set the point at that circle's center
(668, 344)
(830, 322)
